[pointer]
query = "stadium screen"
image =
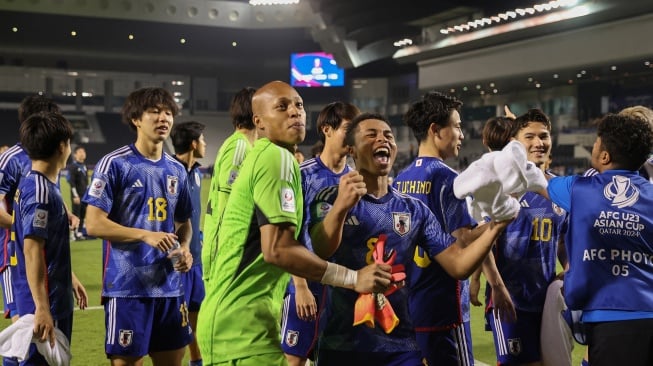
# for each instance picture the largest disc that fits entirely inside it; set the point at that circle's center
(315, 69)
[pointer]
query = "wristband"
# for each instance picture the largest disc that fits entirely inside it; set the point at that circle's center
(339, 276)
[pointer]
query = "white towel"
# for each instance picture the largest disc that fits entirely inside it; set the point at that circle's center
(16, 339)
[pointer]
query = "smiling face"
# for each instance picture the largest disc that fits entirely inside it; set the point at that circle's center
(154, 124)
(374, 149)
(279, 114)
(536, 138)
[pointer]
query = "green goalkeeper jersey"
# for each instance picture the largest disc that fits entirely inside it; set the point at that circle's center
(240, 314)
(227, 165)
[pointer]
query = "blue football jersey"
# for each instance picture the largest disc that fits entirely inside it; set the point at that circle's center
(315, 177)
(407, 222)
(151, 195)
(437, 300)
(195, 190)
(14, 164)
(526, 252)
(39, 211)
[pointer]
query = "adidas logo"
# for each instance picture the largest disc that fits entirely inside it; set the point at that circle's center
(524, 204)
(353, 221)
(137, 184)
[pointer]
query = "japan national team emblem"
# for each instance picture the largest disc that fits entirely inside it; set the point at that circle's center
(401, 222)
(171, 184)
(40, 218)
(322, 209)
(287, 200)
(557, 209)
(292, 336)
(96, 188)
(125, 337)
(514, 346)
(621, 192)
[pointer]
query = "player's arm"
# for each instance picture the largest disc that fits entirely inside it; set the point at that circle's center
(99, 225)
(280, 248)
(305, 304)
(79, 291)
(36, 271)
(460, 261)
(184, 232)
(5, 217)
(326, 234)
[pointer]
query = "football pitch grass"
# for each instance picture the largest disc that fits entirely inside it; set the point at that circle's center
(88, 325)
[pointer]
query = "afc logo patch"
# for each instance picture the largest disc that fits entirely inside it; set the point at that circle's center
(171, 184)
(292, 336)
(96, 188)
(514, 346)
(125, 337)
(287, 200)
(40, 218)
(401, 223)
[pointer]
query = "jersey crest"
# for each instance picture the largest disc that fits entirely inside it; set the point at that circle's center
(401, 222)
(171, 184)
(292, 336)
(514, 346)
(125, 337)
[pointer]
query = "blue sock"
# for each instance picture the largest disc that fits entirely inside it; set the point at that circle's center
(584, 362)
(195, 363)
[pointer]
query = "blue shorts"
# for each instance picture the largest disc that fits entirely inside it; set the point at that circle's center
(8, 293)
(299, 337)
(518, 342)
(451, 347)
(137, 326)
(193, 288)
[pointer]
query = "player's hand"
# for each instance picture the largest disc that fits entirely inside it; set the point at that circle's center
(503, 305)
(73, 221)
(374, 278)
(160, 240)
(350, 189)
(305, 304)
(80, 293)
(44, 326)
(76, 200)
(508, 112)
(183, 259)
(474, 289)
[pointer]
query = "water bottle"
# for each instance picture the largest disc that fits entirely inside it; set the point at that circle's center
(174, 258)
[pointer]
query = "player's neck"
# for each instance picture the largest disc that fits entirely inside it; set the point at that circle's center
(335, 161)
(251, 135)
(188, 159)
(377, 186)
(48, 168)
(429, 151)
(151, 151)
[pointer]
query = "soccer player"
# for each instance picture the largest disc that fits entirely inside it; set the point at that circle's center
(139, 203)
(610, 216)
(14, 164)
(350, 218)
(78, 184)
(225, 170)
(526, 254)
(188, 141)
(299, 328)
(239, 319)
(438, 303)
(43, 274)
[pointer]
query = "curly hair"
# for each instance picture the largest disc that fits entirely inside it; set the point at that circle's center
(434, 107)
(628, 140)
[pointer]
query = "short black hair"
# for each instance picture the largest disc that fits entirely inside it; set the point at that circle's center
(353, 125)
(333, 114)
(35, 104)
(497, 132)
(628, 140)
(434, 107)
(533, 115)
(140, 100)
(42, 133)
(183, 134)
(240, 109)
